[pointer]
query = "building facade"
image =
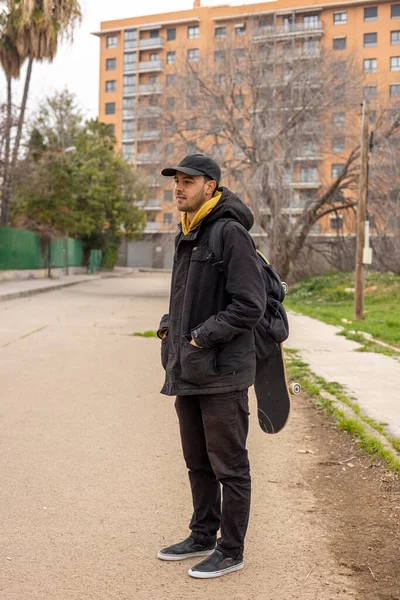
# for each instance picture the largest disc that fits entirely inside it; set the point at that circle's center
(138, 61)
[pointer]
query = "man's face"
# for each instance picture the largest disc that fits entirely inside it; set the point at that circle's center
(191, 192)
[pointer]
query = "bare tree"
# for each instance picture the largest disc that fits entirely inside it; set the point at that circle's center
(273, 115)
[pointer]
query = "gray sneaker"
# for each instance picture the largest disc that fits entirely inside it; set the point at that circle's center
(216, 565)
(186, 549)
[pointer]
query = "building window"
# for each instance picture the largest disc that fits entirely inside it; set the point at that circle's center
(170, 80)
(339, 67)
(154, 33)
(153, 79)
(111, 86)
(191, 124)
(130, 37)
(395, 11)
(372, 117)
(339, 43)
(311, 48)
(128, 107)
(111, 64)
(309, 175)
(336, 170)
(193, 31)
(129, 84)
(171, 57)
(340, 18)
(171, 34)
(111, 41)
(338, 92)
(128, 151)
(220, 78)
(129, 61)
(395, 90)
(168, 219)
(240, 29)
(153, 56)
(169, 149)
(168, 194)
(338, 144)
(128, 129)
(370, 39)
(193, 54)
(240, 53)
(309, 148)
(191, 102)
(311, 21)
(220, 32)
(370, 65)
(170, 102)
(369, 92)
(336, 222)
(371, 14)
(219, 55)
(110, 108)
(395, 37)
(153, 101)
(339, 119)
(395, 63)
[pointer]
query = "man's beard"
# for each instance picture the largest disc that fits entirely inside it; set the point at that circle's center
(195, 202)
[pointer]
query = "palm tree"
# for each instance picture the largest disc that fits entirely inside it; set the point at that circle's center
(11, 62)
(37, 27)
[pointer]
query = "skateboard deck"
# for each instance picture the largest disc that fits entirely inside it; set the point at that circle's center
(273, 391)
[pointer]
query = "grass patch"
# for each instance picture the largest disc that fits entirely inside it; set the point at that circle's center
(147, 334)
(318, 388)
(330, 298)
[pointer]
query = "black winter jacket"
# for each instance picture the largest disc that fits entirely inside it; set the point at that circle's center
(217, 309)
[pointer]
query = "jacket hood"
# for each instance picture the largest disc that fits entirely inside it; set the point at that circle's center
(230, 206)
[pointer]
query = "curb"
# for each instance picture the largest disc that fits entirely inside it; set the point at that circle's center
(42, 290)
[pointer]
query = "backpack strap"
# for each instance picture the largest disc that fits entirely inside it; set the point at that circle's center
(216, 243)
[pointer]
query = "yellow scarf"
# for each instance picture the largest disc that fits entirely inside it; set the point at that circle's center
(201, 213)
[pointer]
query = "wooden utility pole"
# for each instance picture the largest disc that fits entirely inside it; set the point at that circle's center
(361, 215)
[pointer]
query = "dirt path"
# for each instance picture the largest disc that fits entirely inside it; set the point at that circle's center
(93, 482)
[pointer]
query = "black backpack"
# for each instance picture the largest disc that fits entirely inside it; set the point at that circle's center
(273, 327)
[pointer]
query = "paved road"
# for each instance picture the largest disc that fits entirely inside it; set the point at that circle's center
(92, 478)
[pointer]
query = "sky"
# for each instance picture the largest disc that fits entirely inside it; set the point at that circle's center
(76, 66)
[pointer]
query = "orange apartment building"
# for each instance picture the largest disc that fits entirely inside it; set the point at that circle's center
(137, 63)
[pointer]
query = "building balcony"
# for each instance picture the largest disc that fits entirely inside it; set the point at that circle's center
(150, 66)
(153, 204)
(152, 43)
(150, 205)
(147, 158)
(152, 227)
(287, 30)
(150, 111)
(305, 185)
(150, 89)
(307, 157)
(144, 136)
(155, 182)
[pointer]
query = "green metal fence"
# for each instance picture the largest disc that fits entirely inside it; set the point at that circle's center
(21, 249)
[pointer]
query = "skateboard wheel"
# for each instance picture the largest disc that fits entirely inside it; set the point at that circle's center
(285, 287)
(295, 388)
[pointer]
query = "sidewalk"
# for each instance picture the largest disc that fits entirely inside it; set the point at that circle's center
(374, 379)
(18, 289)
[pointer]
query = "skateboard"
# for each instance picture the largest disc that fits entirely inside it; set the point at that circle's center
(272, 391)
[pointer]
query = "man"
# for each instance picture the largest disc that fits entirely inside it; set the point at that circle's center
(209, 356)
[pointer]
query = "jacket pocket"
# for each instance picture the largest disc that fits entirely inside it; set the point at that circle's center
(197, 364)
(164, 352)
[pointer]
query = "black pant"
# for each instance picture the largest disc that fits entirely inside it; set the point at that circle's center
(214, 431)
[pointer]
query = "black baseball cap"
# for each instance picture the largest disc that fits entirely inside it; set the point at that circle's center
(195, 164)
